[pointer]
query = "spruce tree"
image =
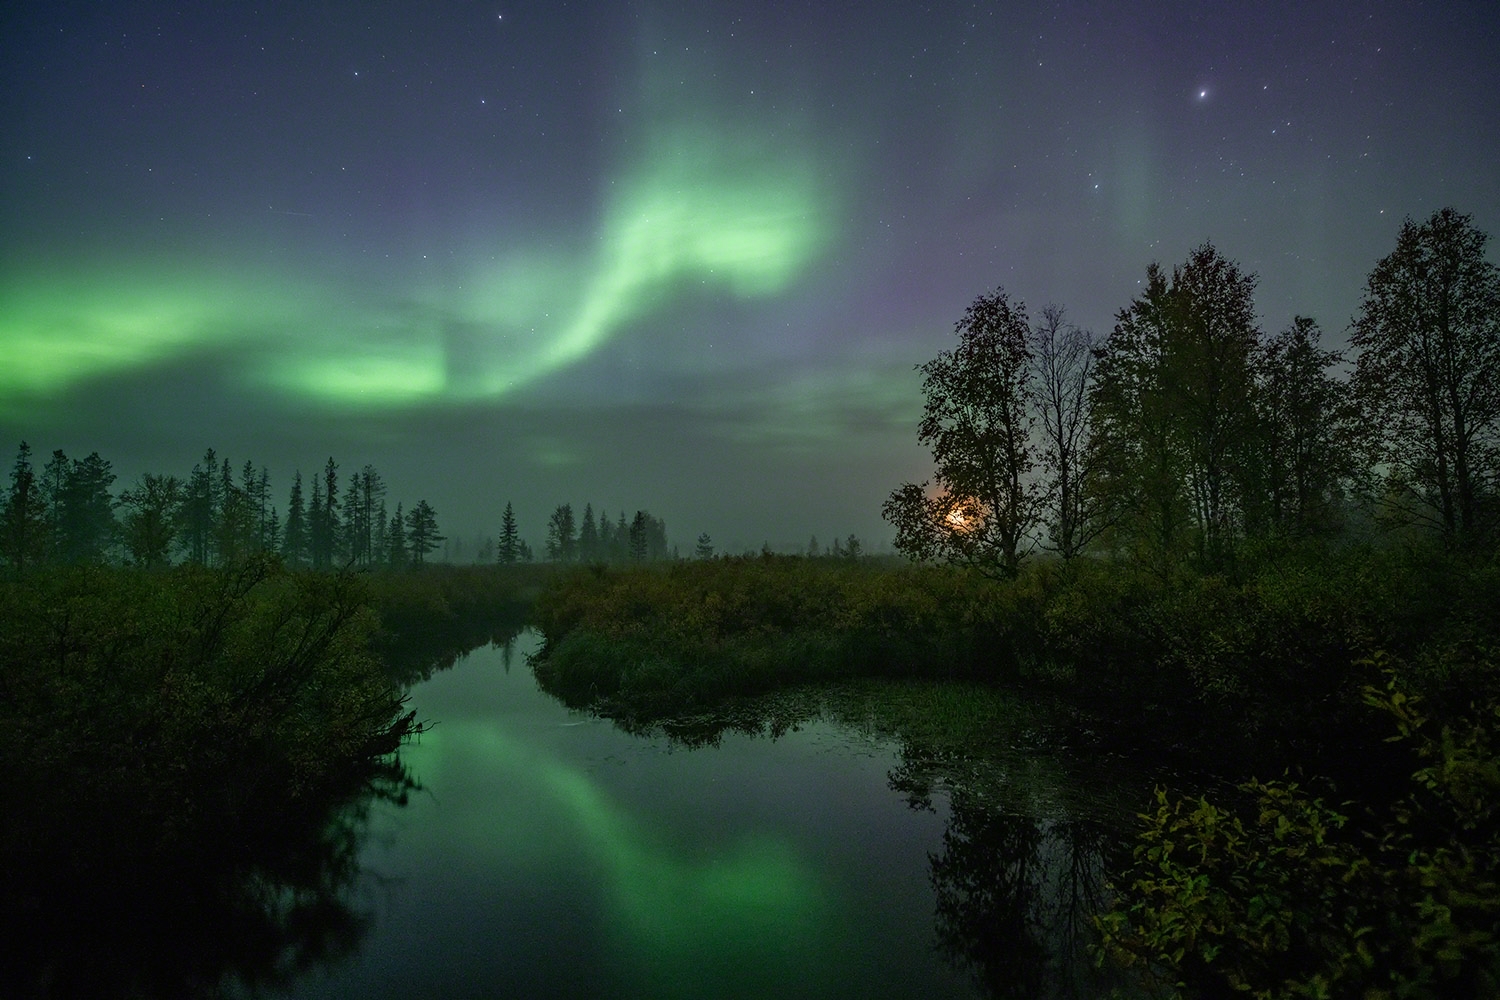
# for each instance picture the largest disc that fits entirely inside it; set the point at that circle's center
(294, 535)
(23, 522)
(422, 532)
(509, 548)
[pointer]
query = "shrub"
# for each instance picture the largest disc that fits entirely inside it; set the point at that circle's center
(1299, 901)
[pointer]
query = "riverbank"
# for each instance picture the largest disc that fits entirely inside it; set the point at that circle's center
(188, 753)
(1368, 677)
(1258, 671)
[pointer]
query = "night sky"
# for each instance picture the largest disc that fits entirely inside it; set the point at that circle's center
(680, 257)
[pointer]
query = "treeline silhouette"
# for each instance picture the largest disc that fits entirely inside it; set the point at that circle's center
(1188, 434)
(67, 514)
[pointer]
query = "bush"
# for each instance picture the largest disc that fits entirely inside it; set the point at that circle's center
(1299, 901)
(179, 746)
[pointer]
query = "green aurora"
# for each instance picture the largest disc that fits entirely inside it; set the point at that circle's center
(702, 211)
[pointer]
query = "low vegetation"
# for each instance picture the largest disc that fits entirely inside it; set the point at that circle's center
(1265, 662)
(1295, 894)
(183, 748)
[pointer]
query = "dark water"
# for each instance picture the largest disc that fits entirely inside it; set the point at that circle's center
(550, 854)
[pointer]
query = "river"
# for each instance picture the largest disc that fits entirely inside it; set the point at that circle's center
(549, 853)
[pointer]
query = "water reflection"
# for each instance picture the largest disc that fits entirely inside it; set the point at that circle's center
(1032, 828)
(136, 903)
(1015, 896)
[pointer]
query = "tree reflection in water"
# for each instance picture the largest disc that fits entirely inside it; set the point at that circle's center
(1015, 896)
(104, 909)
(1027, 848)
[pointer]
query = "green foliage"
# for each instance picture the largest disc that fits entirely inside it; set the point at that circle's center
(1278, 907)
(1261, 663)
(121, 683)
(661, 639)
(182, 741)
(1299, 901)
(429, 619)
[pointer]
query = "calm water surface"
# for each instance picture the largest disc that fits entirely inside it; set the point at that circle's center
(550, 854)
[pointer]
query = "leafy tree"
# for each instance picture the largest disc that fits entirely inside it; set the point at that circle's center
(422, 532)
(978, 422)
(1427, 378)
(1172, 406)
(294, 536)
(1063, 356)
(151, 519)
(1300, 406)
(23, 521)
(509, 547)
(852, 548)
(562, 535)
(705, 547)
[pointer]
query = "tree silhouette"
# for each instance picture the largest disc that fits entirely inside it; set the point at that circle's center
(1427, 379)
(562, 535)
(84, 529)
(200, 508)
(1063, 356)
(509, 547)
(588, 536)
(1304, 459)
(294, 535)
(978, 422)
(395, 540)
(326, 529)
(23, 522)
(1174, 423)
(422, 532)
(150, 521)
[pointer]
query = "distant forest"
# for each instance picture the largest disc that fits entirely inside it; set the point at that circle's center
(68, 513)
